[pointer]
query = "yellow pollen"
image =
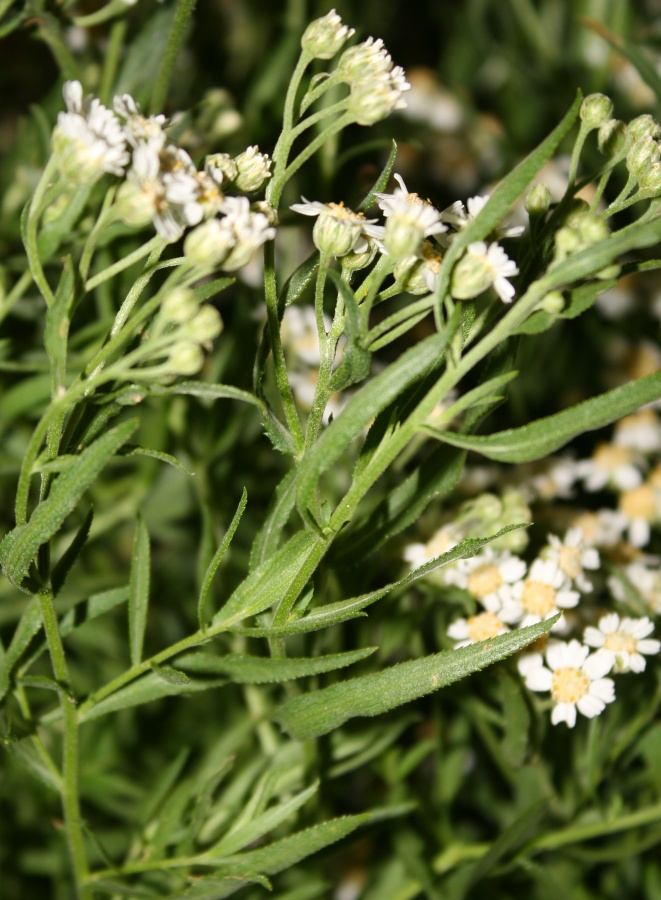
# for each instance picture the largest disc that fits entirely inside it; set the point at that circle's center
(484, 626)
(610, 456)
(538, 598)
(340, 211)
(569, 685)
(620, 642)
(484, 580)
(639, 503)
(569, 560)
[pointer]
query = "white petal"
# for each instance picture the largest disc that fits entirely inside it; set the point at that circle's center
(539, 679)
(648, 646)
(458, 630)
(599, 664)
(529, 662)
(564, 712)
(593, 637)
(637, 662)
(603, 689)
(590, 706)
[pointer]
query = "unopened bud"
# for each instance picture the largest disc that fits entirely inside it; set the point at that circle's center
(265, 208)
(408, 275)
(209, 243)
(134, 206)
(371, 101)
(253, 170)
(324, 37)
(553, 303)
(595, 109)
(179, 306)
(221, 167)
(206, 325)
(538, 201)
(354, 261)
(649, 180)
(614, 138)
(186, 358)
(644, 126)
(643, 154)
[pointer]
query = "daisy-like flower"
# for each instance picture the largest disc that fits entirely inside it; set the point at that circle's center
(556, 480)
(641, 508)
(574, 677)
(444, 539)
(338, 230)
(251, 230)
(602, 528)
(253, 169)
(376, 87)
(88, 139)
(490, 577)
(139, 129)
(646, 580)
(410, 219)
(542, 594)
(572, 556)
(458, 216)
(482, 267)
(143, 196)
(627, 640)
(610, 465)
(480, 627)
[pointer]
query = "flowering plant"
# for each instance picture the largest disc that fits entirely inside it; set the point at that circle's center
(236, 451)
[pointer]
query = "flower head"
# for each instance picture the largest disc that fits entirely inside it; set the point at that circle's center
(410, 219)
(572, 556)
(138, 128)
(338, 230)
(626, 639)
(574, 678)
(490, 577)
(325, 36)
(481, 267)
(542, 594)
(611, 465)
(480, 627)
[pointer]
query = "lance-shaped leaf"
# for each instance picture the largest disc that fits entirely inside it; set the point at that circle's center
(547, 435)
(139, 590)
(319, 712)
(18, 548)
(500, 201)
(28, 626)
(269, 535)
(213, 392)
(218, 558)
(265, 670)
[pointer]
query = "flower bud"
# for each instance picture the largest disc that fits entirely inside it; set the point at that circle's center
(206, 325)
(649, 180)
(186, 358)
(470, 277)
(209, 243)
(371, 101)
(134, 206)
(408, 275)
(595, 109)
(366, 60)
(644, 126)
(268, 211)
(538, 201)
(253, 170)
(553, 303)
(353, 261)
(336, 234)
(643, 154)
(221, 167)
(614, 138)
(324, 37)
(179, 306)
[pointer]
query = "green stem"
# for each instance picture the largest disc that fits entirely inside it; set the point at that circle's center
(120, 265)
(111, 60)
(332, 110)
(578, 833)
(37, 743)
(283, 144)
(313, 95)
(328, 345)
(177, 33)
(412, 309)
(583, 132)
(315, 145)
(106, 216)
(151, 267)
(70, 796)
(32, 224)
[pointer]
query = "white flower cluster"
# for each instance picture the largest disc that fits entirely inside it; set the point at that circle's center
(376, 85)
(568, 575)
(162, 184)
(410, 221)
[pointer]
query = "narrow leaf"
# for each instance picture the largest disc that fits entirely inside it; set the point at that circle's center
(547, 435)
(269, 535)
(139, 590)
(145, 690)
(170, 675)
(211, 288)
(218, 558)
(381, 182)
(25, 754)
(28, 626)
(18, 548)
(299, 280)
(319, 712)
(159, 454)
(71, 554)
(213, 392)
(265, 670)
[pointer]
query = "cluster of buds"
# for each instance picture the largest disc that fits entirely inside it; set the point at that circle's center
(162, 184)
(324, 37)
(181, 332)
(376, 85)
(580, 230)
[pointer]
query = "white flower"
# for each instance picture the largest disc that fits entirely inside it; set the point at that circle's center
(556, 481)
(572, 556)
(646, 580)
(641, 508)
(88, 139)
(139, 128)
(574, 679)
(338, 230)
(459, 216)
(610, 465)
(251, 230)
(410, 219)
(541, 595)
(481, 267)
(602, 528)
(490, 577)
(640, 431)
(476, 628)
(627, 640)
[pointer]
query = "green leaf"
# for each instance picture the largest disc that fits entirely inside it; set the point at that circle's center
(26, 755)
(56, 331)
(213, 392)
(170, 675)
(159, 454)
(298, 281)
(319, 712)
(95, 606)
(334, 613)
(71, 554)
(144, 55)
(218, 558)
(18, 548)
(581, 299)
(516, 717)
(145, 690)
(211, 288)
(381, 182)
(269, 535)
(269, 583)
(546, 435)
(265, 670)
(414, 365)
(59, 231)
(139, 590)
(28, 626)
(356, 360)
(500, 201)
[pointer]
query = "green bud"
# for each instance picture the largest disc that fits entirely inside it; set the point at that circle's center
(538, 200)
(134, 206)
(595, 109)
(649, 180)
(337, 231)
(614, 138)
(371, 101)
(221, 167)
(353, 261)
(408, 275)
(643, 154)
(186, 358)
(206, 325)
(253, 170)
(644, 126)
(209, 243)
(324, 37)
(179, 306)
(553, 303)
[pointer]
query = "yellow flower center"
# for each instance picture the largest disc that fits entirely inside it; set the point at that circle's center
(639, 503)
(611, 456)
(340, 211)
(620, 642)
(569, 685)
(484, 626)
(538, 598)
(484, 580)
(569, 560)
(589, 525)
